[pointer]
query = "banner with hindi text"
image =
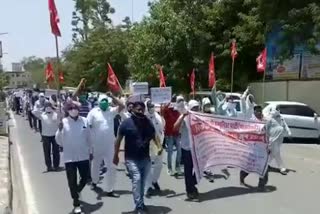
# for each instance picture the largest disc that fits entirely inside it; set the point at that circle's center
(219, 141)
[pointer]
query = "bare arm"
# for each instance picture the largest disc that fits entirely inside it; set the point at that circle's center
(77, 91)
(117, 101)
(178, 123)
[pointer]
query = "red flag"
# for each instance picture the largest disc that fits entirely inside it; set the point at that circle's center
(234, 52)
(61, 77)
(162, 78)
(54, 18)
(262, 61)
(193, 81)
(49, 73)
(212, 73)
(112, 81)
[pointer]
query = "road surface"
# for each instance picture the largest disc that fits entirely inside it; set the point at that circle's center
(47, 193)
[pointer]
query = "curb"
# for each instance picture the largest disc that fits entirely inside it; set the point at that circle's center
(5, 176)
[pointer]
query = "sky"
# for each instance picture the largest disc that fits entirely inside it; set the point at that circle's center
(27, 22)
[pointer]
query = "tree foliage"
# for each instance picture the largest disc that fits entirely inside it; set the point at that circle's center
(180, 35)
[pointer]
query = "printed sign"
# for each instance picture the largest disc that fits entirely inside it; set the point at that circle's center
(221, 142)
(140, 88)
(161, 95)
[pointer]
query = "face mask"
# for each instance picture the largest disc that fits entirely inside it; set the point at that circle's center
(104, 105)
(73, 113)
(139, 115)
(49, 109)
(151, 111)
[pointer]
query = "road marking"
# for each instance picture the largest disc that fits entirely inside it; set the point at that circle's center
(29, 195)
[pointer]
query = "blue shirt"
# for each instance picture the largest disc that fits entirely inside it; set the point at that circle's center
(137, 140)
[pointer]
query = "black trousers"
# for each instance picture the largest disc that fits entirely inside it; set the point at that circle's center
(189, 176)
(51, 148)
(71, 169)
(30, 118)
(40, 125)
(262, 181)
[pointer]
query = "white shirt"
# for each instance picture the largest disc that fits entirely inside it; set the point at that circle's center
(74, 138)
(102, 127)
(50, 123)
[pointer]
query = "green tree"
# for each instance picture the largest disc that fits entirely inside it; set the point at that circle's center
(36, 66)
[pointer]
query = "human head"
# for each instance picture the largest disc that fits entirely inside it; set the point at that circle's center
(139, 109)
(194, 105)
(206, 105)
(103, 102)
(258, 112)
(41, 97)
(150, 107)
(48, 107)
(73, 109)
(129, 106)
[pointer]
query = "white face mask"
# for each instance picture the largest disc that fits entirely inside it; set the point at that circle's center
(73, 112)
(49, 109)
(151, 111)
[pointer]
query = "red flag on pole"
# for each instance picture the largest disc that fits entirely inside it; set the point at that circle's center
(49, 73)
(162, 78)
(193, 81)
(112, 81)
(54, 18)
(262, 61)
(212, 73)
(234, 52)
(61, 77)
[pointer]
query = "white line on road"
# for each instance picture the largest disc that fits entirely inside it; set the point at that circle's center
(29, 196)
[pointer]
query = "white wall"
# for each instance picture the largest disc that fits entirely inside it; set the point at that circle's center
(300, 91)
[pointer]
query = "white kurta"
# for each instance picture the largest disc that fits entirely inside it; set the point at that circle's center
(102, 136)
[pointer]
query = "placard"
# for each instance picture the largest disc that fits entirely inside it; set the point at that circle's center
(140, 88)
(161, 95)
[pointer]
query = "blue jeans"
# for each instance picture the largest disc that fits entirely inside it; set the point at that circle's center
(171, 142)
(138, 170)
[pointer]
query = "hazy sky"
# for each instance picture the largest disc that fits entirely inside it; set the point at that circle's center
(27, 22)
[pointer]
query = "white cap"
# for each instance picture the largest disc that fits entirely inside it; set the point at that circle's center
(205, 101)
(41, 95)
(192, 104)
(180, 98)
(102, 97)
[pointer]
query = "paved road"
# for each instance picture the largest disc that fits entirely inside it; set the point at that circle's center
(296, 193)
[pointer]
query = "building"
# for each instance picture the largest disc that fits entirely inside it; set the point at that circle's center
(19, 79)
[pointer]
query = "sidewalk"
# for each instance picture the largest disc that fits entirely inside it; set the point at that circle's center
(5, 178)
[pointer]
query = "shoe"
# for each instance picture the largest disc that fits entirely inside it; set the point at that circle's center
(140, 211)
(145, 208)
(193, 197)
(178, 172)
(226, 173)
(283, 171)
(93, 186)
(50, 169)
(113, 195)
(77, 210)
(171, 172)
(103, 171)
(262, 188)
(156, 186)
(149, 192)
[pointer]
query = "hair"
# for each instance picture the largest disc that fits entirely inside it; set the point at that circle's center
(139, 103)
(257, 107)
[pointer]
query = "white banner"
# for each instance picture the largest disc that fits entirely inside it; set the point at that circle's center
(219, 141)
(161, 95)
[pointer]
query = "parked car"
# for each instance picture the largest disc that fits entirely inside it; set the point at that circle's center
(302, 120)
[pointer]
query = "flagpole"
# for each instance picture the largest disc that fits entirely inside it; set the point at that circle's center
(232, 69)
(263, 85)
(57, 68)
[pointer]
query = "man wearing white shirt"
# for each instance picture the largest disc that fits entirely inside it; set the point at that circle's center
(101, 123)
(50, 122)
(156, 159)
(73, 135)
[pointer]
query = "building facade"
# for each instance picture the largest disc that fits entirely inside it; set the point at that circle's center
(19, 79)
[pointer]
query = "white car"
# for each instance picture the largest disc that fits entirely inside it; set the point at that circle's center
(302, 120)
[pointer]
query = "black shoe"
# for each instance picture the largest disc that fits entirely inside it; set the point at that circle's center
(149, 192)
(156, 186)
(93, 186)
(103, 171)
(145, 208)
(113, 195)
(50, 169)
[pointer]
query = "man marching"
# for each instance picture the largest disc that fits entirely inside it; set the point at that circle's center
(101, 123)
